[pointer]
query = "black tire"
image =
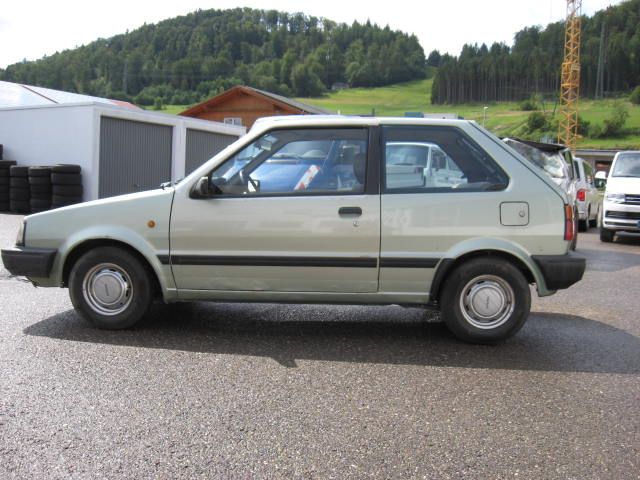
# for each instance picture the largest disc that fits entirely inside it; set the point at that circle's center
(60, 200)
(40, 172)
(19, 182)
(7, 164)
(20, 194)
(40, 189)
(4, 181)
(129, 297)
(38, 210)
(4, 207)
(594, 223)
(19, 206)
(40, 180)
(39, 203)
(583, 225)
(66, 179)
(67, 190)
(16, 171)
(488, 276)
(606, 235)
(41, 196)
(65, 168)
(4, 173)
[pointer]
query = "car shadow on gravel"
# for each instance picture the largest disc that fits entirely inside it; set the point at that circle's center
(389, 335)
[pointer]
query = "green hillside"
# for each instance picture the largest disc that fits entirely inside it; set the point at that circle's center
(192, 57)
(503, 118)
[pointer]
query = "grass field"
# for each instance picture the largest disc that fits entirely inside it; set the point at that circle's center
(504, 118)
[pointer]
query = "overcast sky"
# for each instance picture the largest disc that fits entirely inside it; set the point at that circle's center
(32, 29)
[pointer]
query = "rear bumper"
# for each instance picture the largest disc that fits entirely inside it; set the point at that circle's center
(29, 262)
(560, 271)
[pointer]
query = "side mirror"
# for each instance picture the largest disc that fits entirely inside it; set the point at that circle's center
(201, 188)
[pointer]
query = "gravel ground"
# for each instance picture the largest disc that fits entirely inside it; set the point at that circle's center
(277, 391)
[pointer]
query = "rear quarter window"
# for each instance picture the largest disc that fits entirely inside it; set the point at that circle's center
(437, 159)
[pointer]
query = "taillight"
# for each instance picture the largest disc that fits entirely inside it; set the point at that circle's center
(568, 223)
(582, 195)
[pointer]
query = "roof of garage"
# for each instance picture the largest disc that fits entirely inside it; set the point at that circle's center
(287, 104)
(19, 95)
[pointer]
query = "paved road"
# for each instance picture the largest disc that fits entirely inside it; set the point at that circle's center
(268, 391)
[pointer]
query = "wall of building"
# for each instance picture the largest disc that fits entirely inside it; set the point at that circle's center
(46, 135)
(247, 107)
(49, 135)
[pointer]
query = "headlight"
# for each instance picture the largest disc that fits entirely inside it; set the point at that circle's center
(615, 197)
(20, 237)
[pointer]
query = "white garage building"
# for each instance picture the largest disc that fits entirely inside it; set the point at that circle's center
(121, 148)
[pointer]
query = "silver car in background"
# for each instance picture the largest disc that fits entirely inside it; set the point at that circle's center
(587, 195)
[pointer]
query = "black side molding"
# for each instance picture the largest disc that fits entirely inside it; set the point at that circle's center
(29, 262)
(263, 261)
(408, 262)
(560, 271)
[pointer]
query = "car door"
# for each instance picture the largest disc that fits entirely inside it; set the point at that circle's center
(292, 212)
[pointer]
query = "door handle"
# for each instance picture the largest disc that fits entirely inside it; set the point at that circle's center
(350, 211)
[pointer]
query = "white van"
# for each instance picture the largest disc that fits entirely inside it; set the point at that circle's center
(621, 204)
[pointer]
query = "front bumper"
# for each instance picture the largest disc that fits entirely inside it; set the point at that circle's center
(621, 216)
(29, 262)
(560, 271)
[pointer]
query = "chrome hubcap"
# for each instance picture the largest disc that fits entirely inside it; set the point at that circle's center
(487, 301)
(107, 289)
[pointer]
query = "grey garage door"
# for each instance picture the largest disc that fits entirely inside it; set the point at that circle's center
(134, 156)
(201, 146)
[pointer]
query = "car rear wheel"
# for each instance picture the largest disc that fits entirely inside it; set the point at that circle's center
(485, 300)
(110, 288)
(593, 222)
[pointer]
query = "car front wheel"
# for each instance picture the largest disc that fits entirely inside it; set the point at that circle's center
(110, 288)
(606, 235)
(485, 300)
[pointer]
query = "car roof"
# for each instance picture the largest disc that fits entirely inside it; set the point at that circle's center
(412, 144)
(306, 121)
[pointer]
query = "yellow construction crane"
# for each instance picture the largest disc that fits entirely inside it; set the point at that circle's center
(570, 80)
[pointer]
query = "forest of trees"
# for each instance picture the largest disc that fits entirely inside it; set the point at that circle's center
(532, 65)
(188, 58)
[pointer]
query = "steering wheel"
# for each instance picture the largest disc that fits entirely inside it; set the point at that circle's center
(246, 179)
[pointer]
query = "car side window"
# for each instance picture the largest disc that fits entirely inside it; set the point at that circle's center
(296, 162)
(437, 159)
(588, 173)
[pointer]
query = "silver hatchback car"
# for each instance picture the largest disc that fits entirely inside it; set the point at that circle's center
(315, 210)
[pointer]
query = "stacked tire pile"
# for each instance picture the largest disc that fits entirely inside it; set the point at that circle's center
(66, 185)
(5, 166)
(40, 189)
(19, 189)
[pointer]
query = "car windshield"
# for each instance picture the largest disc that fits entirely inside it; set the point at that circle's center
(552, 163)
(627, 165)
